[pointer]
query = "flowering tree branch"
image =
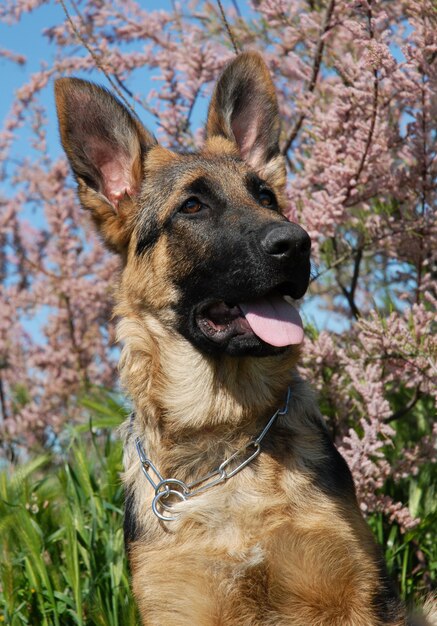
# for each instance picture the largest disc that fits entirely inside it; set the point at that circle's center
(76, 348)
(349, 293)
(313, 79)
(115, 82)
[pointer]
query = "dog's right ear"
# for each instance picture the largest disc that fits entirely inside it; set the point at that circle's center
(244, 110)
(106, 146)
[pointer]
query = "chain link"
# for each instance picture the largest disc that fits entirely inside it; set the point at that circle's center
(167, 490)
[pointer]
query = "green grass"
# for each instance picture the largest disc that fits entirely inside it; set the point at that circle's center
(411, 557)
(62, 557)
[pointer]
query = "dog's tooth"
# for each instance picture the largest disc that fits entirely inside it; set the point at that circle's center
(290, 300)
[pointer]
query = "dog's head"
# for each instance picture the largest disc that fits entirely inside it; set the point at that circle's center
(206, 248)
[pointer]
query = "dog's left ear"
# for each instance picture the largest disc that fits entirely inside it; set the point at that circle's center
(106, 147)
(244, 110)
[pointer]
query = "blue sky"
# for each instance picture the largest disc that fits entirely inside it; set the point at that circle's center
(26, 38)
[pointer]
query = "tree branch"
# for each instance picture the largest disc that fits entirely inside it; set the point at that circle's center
(350, 293)
(356, 272)
(3, 401)
(352, 252)
(372, 119)
(96, 58)
(407, 408)
(236, 46)
(424, 178)
(313, 79)
(190, 110)
(76, 349)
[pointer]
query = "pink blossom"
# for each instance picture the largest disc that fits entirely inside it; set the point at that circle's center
(357, 97)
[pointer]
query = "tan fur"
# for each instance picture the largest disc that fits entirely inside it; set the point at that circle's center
(260, 549)
(276, 544)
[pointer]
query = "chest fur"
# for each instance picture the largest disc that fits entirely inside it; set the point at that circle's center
(270, 547)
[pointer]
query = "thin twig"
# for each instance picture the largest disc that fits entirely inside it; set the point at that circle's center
(313, 79)
(350, 293)
(368, 140)
(402, 357)
(407, 408)
(424, 176)
(190, 110)
(350, 253)
(356, 273)
(350, 300)
(237, 48)
(372, 119)
(97, 60)
(3, 401)
(72, 331)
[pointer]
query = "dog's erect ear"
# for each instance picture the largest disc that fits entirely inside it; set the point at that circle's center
(105, 145)
(244, 109)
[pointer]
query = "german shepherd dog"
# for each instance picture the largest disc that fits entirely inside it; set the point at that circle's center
(239, 509)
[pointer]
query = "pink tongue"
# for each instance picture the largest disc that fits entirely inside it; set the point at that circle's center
(274, 320)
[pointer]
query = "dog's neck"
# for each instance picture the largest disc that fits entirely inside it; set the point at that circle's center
(178, 390)
(192, 412)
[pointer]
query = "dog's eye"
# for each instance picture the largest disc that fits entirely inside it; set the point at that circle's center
(192, 205)
(266, 198)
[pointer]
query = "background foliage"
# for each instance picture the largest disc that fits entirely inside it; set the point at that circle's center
(357, 88)
(61, 538)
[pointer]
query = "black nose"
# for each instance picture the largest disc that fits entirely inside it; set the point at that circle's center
(286, 241)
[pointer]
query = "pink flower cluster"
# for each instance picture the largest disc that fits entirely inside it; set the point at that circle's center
(356, 84)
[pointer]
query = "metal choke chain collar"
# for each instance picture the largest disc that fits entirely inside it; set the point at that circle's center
(168, 489)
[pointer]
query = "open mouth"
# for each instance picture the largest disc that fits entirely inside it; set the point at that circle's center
(272, 318)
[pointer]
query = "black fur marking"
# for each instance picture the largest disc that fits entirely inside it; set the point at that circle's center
(148, 236)
(208, 192)
(332, 473)
(386, 603)
(334, 477)
(130, 527)
(231, 266)
(255, 186)
(203, 187)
